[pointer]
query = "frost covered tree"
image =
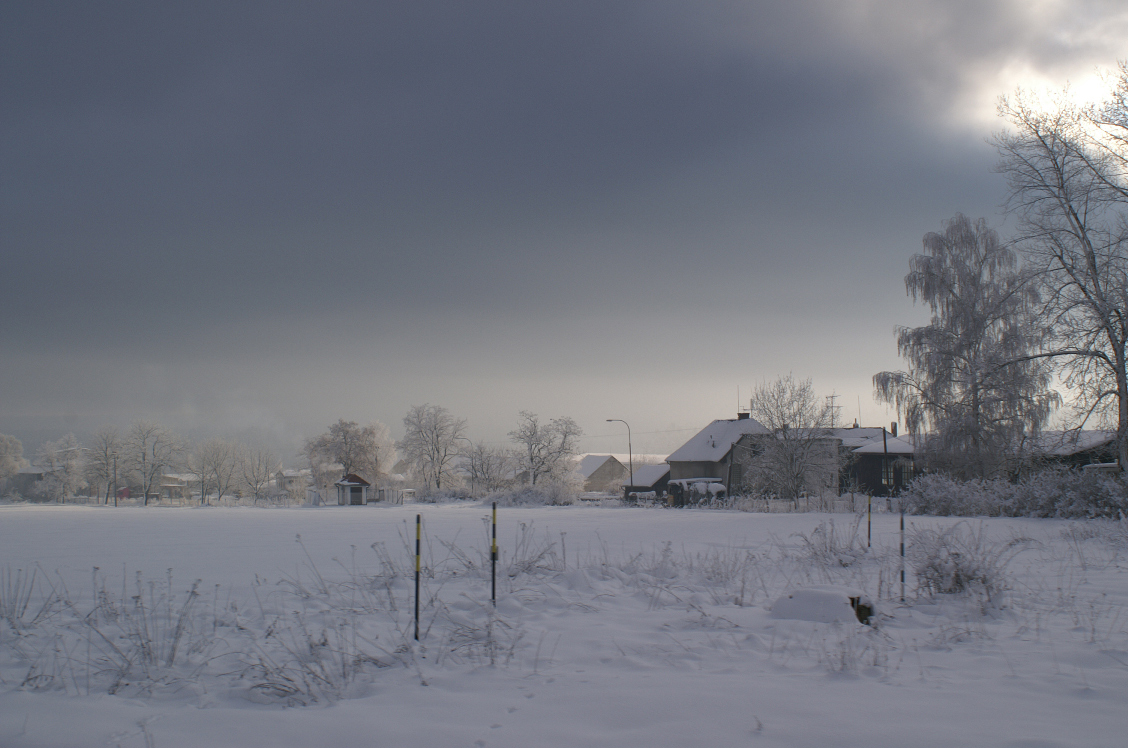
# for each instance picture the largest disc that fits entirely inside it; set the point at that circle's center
(491, 468)
(149, 450)
(430, 443)
(796, 456)
(11, 458)
(349, 448)
(102, 462)
(970, 380)
(217, 460)
(1067, 169)
(545, 448)
(256, 470)
(63, 459)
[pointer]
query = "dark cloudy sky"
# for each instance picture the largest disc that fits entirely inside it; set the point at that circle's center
(255, 218)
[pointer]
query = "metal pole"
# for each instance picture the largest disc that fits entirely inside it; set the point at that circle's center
(493, 559)
(630, 449)
(869, 521)
(902, 550)
(418, 535)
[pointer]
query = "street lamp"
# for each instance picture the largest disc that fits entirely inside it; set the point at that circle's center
(463, 438)
(630, 450)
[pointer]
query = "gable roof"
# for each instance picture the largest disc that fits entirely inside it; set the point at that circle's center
(713, 442)
(352, 479)
(589, 463)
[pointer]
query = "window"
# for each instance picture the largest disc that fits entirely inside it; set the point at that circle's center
(886, 472)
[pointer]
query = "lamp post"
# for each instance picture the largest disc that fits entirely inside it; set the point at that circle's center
(630, 450)
(463, 438)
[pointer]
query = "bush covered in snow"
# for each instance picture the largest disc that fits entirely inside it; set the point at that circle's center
(1050, 493)
(550, 493)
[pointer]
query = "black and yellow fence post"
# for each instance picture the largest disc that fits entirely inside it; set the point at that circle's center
(493, 559)
(418, 535)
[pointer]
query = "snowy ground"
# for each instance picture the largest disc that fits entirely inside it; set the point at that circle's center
(614, 627)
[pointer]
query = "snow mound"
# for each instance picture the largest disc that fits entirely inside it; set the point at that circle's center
(823, 604)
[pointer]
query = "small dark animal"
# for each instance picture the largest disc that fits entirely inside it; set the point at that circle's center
(863, 610)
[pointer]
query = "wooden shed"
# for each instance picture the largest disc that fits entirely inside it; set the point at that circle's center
(352, 490)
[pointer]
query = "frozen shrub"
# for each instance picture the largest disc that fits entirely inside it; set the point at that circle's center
(961, 560)
(1049, 493)
(546, 494)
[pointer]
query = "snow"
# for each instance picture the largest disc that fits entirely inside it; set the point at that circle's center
(713, 442)
(614, 626)
(894, 445)
(589, 463)
(648, 475)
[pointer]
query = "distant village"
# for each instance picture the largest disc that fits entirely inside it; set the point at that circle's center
(718, 463)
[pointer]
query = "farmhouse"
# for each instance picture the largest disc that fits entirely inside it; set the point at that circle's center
(708, 455)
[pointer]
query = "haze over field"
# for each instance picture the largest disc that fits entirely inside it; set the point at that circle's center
(253, 220)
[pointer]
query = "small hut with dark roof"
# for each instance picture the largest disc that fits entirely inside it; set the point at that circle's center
(352, 490)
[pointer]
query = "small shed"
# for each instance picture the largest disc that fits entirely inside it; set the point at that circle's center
(352, 490)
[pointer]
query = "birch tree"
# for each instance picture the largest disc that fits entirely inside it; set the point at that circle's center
(971, 381)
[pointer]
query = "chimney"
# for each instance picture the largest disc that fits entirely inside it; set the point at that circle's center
(893, 428)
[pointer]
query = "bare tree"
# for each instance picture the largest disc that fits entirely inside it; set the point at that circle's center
(971, 382)
(349, 448)
(491, 468)
(256, 468)
(220, 459)
(149, 450)
(430, 442)
(1067, 168)
(197, 465)
(545, 447)
(64, 461)
(797, 455)
(102, 461)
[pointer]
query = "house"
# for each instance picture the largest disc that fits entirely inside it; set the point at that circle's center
(600, 472)
(708, 455)
(883, 465)
(293, 481)
(352, 490)
(177, 486)
(653, 479)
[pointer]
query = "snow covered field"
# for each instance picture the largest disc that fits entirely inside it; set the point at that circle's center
(614, 627)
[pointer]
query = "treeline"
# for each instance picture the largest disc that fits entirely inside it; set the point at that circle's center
(434, 455)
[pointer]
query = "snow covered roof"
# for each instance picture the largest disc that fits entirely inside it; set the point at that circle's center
(648, 475)
(589, 463)
(898, 445)
(852, 438)
(352, 479)
(714, 441)
(1065, 443)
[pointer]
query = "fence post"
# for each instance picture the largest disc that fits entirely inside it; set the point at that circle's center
(493, 559)
(418, 535)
